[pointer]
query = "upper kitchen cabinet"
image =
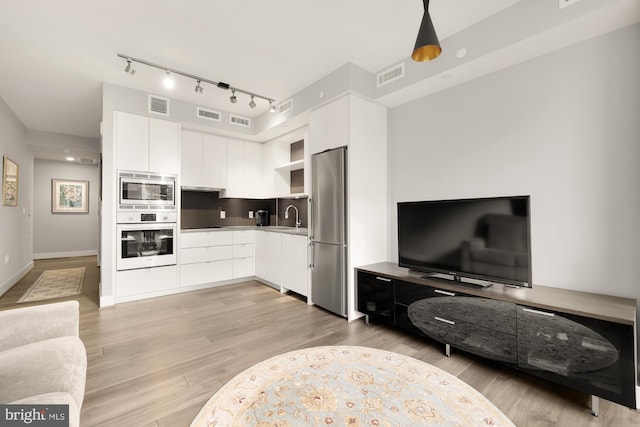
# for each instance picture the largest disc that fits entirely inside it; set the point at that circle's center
(203, 160)
(244, 170)
(146, 143)
(329, 126)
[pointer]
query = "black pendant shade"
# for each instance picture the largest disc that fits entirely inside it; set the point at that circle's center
(427, 45)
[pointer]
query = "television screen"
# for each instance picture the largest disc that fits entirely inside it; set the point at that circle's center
(486, 239)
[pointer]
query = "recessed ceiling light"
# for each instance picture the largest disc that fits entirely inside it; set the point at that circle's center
(70, 159)
(461, 53)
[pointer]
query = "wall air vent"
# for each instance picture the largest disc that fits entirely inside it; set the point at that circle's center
(158, 105)
(285, 106)
(87, 161)
(392, 74)
(240, 121)
(565, 3)
(204, 113)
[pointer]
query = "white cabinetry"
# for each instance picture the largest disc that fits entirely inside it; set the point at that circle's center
(295, 266)
(244, 170)
(205, 257)
(282, 260)
(243, 253)
(269, 259)
(203, 160)
(329, 126)
(146, 144)
(134, 284)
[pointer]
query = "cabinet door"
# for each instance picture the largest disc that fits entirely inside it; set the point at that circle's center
(329, 126)
(375, 297)
(295, 265)
(590, 355)
(214, 160)
(253, 170)
(191, 159)
(132, 141)
(235, 168)
(163, 146)
(268, 259)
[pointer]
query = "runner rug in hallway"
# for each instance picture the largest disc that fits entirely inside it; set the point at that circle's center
(55, 284)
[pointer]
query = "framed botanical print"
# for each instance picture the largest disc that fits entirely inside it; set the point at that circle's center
(9, 183)
(69, 196)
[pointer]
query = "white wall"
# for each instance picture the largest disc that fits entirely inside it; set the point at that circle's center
(15, 222)
(59, 235)
(563, 128)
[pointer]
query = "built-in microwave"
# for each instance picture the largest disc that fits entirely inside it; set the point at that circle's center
(143, 190)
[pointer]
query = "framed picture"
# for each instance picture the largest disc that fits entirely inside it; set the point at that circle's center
(69, 196)
(10, 183)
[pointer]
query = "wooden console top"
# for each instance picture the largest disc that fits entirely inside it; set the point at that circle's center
(603, 307)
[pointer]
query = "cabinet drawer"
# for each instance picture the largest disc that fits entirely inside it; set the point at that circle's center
(211, 253)
(243, 267)
(198, 239)
(205, 272)
(485, 342)
(408, 293)
(243, 251)
(145, 280)
(243, 236)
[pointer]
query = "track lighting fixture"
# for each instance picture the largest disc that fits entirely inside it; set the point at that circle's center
(427, 45)
(129, 69)
(169, 82)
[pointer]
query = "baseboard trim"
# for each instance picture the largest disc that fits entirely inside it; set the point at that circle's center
(48, 255)
(15, 278)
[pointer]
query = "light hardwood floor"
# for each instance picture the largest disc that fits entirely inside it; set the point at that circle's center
(156, 362)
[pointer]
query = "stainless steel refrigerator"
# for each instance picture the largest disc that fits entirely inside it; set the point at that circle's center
(329, 230)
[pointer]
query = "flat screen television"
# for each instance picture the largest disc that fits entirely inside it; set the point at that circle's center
(485, 238)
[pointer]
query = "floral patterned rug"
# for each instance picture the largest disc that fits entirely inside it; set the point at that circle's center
(55, 284)
(347, 386)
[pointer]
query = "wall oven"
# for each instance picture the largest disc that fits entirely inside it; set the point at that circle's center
(145, 240)
(143, 190)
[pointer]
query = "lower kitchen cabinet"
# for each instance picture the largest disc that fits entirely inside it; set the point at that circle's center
(295, 265)
(269, 259)
(131, 283)
(205, 257)
(282, 261)
(243, 253)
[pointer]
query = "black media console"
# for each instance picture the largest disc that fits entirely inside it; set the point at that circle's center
(581, 340)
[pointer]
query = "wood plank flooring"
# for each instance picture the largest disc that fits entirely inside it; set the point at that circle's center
(156, 362)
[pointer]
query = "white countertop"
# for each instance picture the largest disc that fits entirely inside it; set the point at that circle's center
(271, 228)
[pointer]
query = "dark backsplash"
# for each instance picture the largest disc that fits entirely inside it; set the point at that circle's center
(201, 209)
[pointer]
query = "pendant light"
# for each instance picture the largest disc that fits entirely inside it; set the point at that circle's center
(427, 45)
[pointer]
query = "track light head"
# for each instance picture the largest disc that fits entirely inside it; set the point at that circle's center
(129, 69)
(252, 103)
(272, 108)
(168, 81)
(198, 87)
(233, 97)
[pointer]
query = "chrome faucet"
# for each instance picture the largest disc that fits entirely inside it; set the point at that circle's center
(286, 215)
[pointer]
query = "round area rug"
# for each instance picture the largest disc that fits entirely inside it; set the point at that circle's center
(347, 386)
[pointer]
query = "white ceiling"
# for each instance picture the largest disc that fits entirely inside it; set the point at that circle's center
(56, 54)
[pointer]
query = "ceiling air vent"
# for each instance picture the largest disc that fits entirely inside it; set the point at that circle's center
(86, 161)
(285, 106)
(240, 121)
(392, 74)
(203, 113)
(158, 105)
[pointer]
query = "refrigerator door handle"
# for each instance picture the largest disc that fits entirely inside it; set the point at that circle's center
(310, 207)
(311, 256)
